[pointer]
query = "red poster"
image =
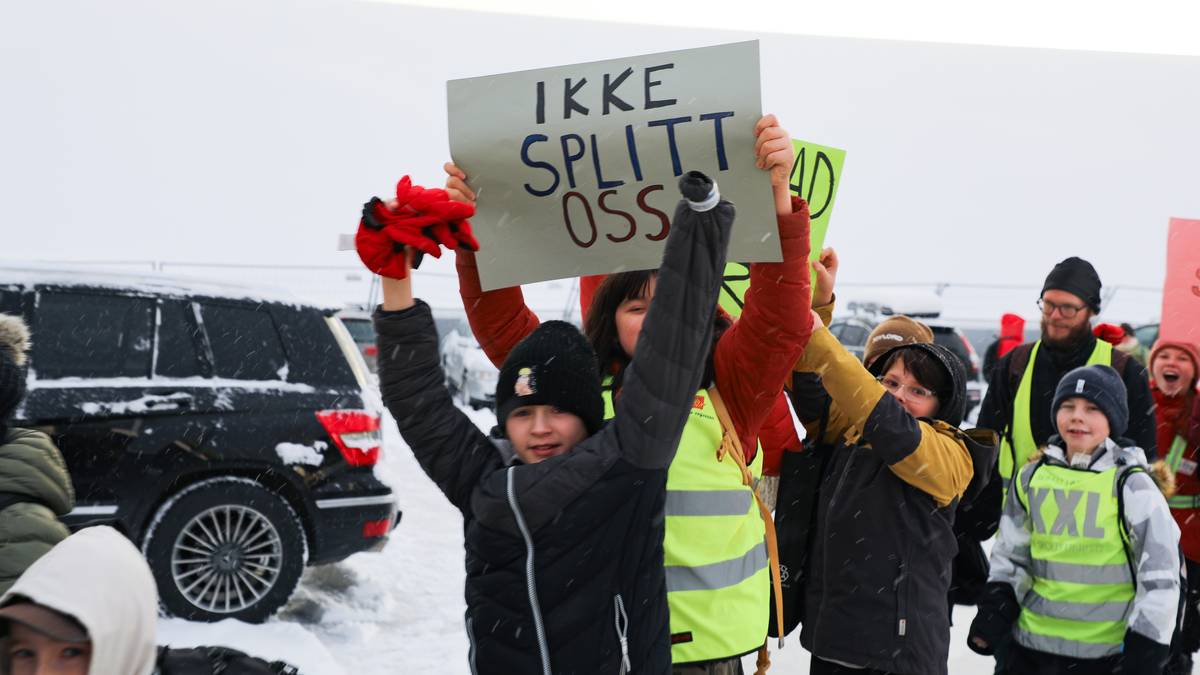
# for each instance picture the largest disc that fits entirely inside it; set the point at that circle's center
(1181, 291)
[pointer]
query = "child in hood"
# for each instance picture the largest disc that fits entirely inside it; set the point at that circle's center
(1085, 571)
(90, 607)
(562, 513)
(1173, 370)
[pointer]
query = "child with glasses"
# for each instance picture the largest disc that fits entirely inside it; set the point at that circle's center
(879, 568)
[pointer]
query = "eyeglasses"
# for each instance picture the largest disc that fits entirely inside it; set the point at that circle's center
(1067, 311)
(918, 393)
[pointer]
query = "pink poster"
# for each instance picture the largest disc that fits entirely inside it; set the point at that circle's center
(1181, 291)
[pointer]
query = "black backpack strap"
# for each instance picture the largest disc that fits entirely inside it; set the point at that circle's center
(1126, 535)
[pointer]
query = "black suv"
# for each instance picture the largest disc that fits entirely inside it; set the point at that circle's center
(229, 436)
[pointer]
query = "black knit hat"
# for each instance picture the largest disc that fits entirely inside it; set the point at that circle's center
(1102, 386)
(14, 342)
(1077, 277)
(554, 365)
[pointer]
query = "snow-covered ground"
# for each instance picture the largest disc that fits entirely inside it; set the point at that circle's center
(401, 610)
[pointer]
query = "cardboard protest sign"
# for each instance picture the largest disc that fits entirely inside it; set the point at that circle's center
(816, 173)
(1181, 291)
(576, 167)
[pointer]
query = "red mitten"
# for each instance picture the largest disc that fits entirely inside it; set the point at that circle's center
(424, 219)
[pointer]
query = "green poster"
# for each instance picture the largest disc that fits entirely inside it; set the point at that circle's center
(815, 177)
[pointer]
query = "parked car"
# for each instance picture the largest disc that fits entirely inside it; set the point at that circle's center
(230, 437)
(1147, 335)
(852, 332)
(357, 321)
(470, 375)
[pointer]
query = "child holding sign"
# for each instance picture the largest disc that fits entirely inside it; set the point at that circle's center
(563, 526)
(712, 519)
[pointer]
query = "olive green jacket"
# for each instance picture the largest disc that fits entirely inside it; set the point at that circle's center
(33, 468)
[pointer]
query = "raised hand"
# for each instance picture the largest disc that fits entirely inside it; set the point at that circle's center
(773, 153)
(826, 267)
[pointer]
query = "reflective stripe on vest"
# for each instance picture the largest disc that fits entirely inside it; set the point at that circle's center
(1014, 456)
(1082, 588)
(717, 576)
(1174, 457)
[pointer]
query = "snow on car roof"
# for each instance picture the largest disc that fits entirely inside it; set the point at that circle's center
(150, 284)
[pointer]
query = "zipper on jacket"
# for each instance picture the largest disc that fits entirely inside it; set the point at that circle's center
(530, 582)
(621, 622)
(471, 651)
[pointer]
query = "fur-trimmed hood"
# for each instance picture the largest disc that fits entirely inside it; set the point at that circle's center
(14, 338)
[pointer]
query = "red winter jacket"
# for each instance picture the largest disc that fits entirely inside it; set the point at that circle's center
(1180, 416)
(751, 360)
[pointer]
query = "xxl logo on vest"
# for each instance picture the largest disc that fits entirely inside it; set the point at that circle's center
(1066, 521)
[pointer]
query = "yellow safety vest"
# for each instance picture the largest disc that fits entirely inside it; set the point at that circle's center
(714, 550)
(1082, 583)
(1014, 454)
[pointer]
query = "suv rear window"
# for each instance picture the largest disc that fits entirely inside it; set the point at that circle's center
(85, 335)
(245, 344)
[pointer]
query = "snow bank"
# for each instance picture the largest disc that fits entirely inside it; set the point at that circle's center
(274, 640)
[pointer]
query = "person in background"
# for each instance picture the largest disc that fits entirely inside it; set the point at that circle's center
(1174, 366)
(35, 488)
(1131, 345)
(1012, 333)
(1085, 572)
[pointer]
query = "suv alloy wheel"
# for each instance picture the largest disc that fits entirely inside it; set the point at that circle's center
(225, 548)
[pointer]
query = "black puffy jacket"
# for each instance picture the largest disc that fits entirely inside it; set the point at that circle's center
(588, 554)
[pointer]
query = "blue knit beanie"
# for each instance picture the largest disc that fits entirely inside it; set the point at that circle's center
(1102, 386)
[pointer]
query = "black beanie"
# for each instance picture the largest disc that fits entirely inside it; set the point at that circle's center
(554, 365)
(1102, 386)
(14, 342)
(1078, 277)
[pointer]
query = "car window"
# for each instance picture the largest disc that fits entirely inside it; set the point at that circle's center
(854, 336)
(314, 355)
(1146, 335)
(10, 301)
(178, 337)
(362, 330)
(91, 335)
(245, 344)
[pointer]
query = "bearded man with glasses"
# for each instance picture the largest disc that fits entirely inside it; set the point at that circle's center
(1018, 401)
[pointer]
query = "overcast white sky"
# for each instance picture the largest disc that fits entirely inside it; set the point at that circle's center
(252, 131)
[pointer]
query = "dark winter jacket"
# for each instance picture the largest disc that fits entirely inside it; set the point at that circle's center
(37, 488)
(216, 661)
(879, 570)
(578, 535)
(1012, 333)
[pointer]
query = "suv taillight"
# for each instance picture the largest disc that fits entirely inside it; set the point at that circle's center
(355, 433)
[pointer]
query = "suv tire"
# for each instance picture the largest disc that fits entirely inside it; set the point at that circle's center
(225, 548)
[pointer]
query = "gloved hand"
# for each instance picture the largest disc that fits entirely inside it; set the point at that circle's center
(420, 218)
(1143, 656)
(998, 611)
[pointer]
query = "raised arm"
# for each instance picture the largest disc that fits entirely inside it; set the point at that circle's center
(499, 318)
(665, 373)
(755, 356)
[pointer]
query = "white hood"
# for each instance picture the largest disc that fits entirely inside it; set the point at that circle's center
(97, 576)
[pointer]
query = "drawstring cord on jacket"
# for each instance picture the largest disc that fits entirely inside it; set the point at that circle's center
(621, 621)
(732, 446)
